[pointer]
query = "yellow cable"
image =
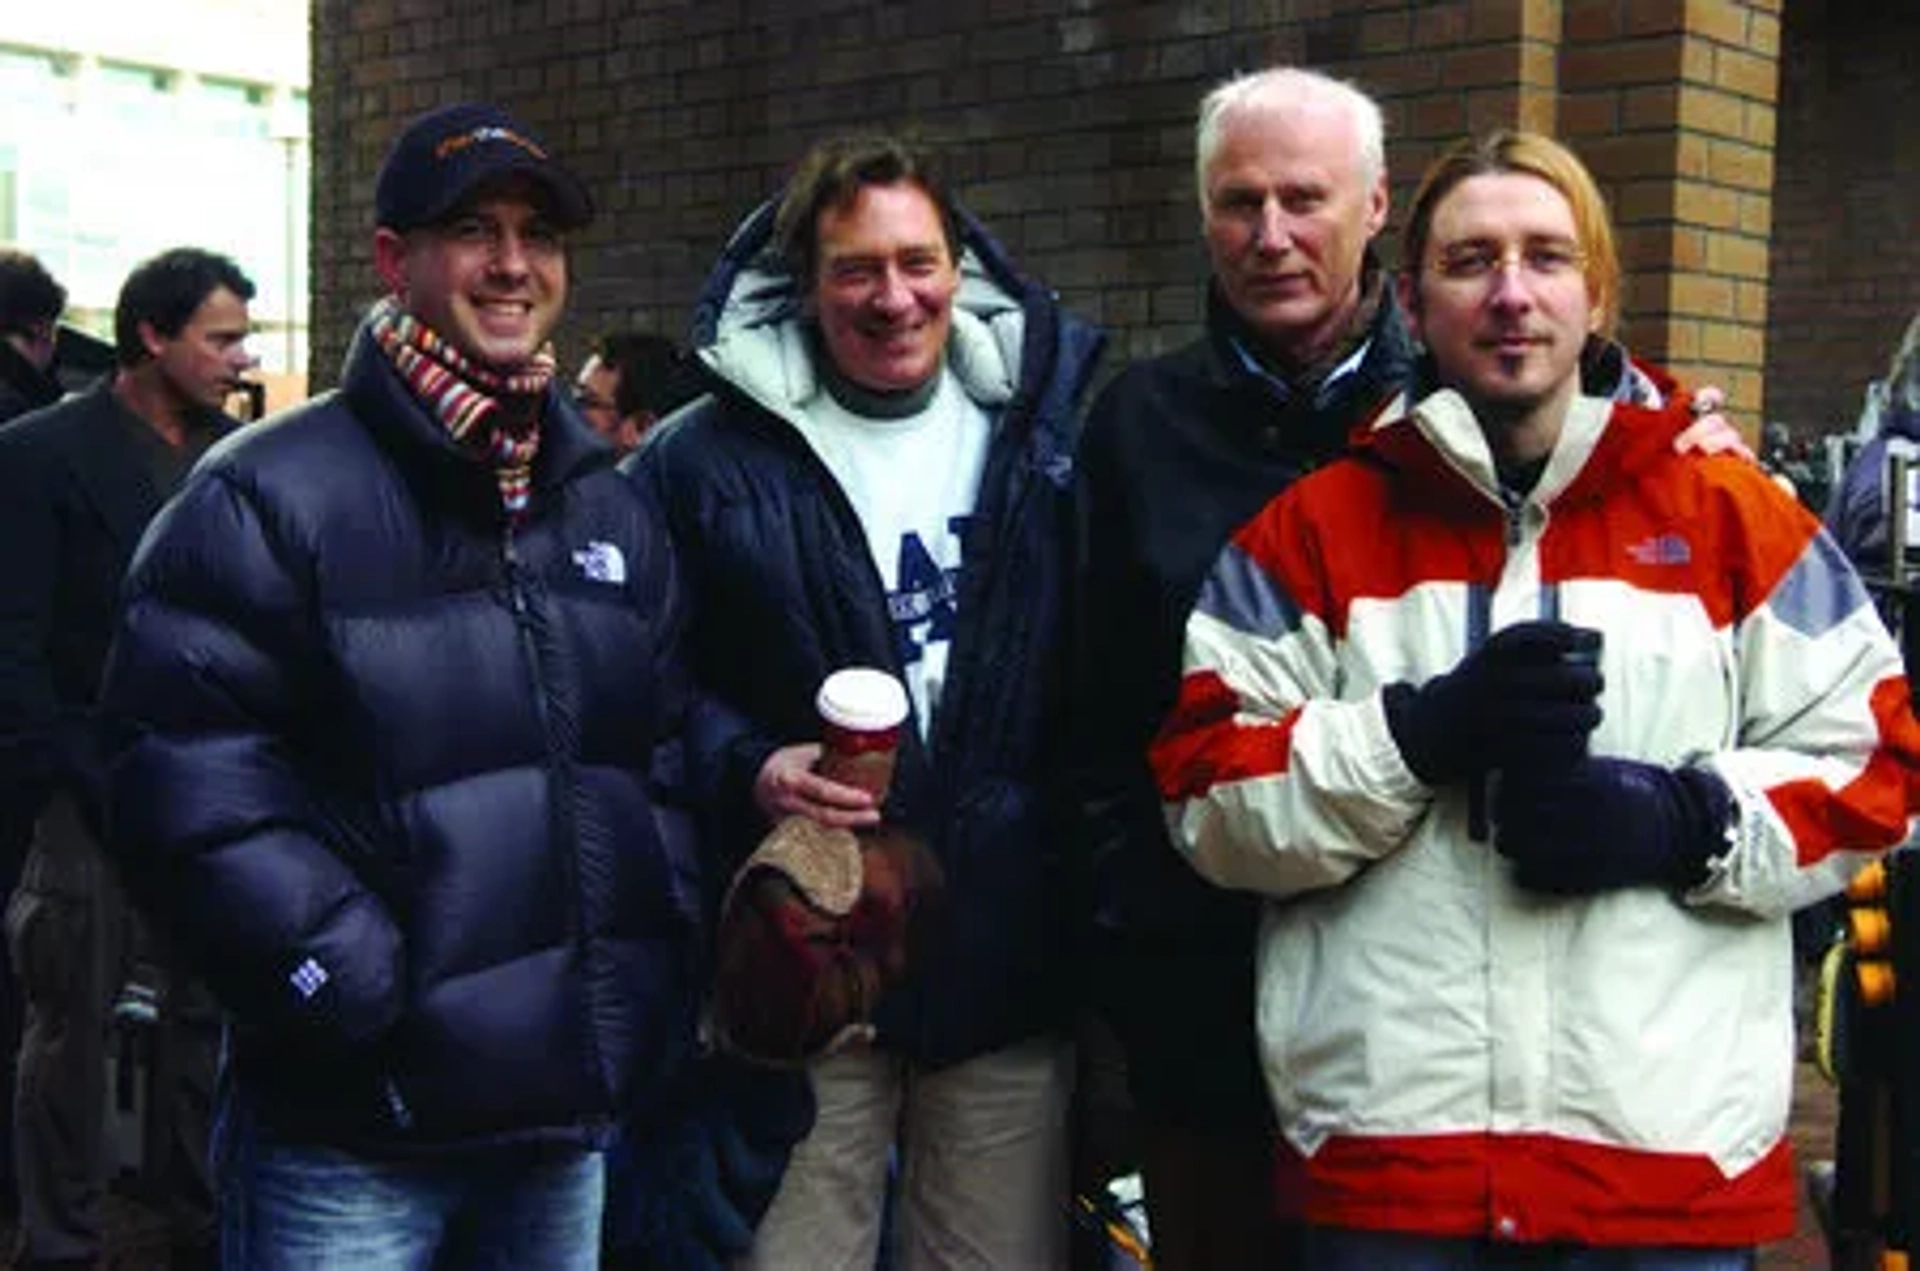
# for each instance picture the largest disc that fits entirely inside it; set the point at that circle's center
(1826, 1001)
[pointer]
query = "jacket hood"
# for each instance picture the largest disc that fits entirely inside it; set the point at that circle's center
(750, 329)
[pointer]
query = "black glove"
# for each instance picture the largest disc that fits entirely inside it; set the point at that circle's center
(1598, 824)
(1527, 695)
(687, 1187)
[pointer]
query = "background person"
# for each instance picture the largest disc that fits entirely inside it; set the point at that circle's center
(31, 302)
(1857, 510)
(79, 482)
(631, 381)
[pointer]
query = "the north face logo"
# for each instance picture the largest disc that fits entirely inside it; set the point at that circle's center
(1662, 549)
(602, 562)
(308, 978)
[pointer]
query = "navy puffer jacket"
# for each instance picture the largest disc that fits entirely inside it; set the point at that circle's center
(381, 768)
(784, 591)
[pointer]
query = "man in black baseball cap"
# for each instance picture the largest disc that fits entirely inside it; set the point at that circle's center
(389, 682)
(448, 153)
(470, 211)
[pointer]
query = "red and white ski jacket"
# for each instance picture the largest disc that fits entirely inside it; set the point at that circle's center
(1449, 1054)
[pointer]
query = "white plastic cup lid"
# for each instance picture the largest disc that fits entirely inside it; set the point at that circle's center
(862, 699)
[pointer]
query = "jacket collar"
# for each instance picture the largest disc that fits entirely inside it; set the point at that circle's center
(1382, 342)
(749, 327)
(1624, 418)
(108, 463)
(1316, 424)
(1240, 342)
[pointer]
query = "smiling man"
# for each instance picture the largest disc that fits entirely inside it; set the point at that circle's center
(881, 480)
(384, 700)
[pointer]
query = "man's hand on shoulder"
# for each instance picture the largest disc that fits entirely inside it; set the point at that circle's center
(1712, 432)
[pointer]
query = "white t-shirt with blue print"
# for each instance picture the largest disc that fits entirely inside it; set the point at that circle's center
(912, 482)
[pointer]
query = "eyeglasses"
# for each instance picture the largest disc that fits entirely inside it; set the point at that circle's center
(1544, 260)
(587, 400)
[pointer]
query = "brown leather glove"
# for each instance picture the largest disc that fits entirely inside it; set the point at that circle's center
(817, 925)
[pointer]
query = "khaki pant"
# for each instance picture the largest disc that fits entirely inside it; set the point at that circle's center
(983, 1165)
(74, 943)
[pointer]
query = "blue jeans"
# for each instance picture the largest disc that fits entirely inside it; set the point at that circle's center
(1338, 1249)
(303, 1207)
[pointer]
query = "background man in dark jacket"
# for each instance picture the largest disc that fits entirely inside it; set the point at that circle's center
(881, 479)
(631, 381)
(30, 305)
(1857, 510)
(386, 695)
(78, 483)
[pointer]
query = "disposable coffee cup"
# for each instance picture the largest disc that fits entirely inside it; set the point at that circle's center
(861, 713)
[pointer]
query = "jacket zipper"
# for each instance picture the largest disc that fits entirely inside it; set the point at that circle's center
(1513, 507)
(1481, 793)
(559, 822)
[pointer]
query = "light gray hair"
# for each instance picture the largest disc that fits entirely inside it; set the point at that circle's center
(1283, 88)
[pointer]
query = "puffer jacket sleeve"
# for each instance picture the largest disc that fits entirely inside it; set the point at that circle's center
(220, 833)
(1271, 783)
(1825, 766)
(724, 749)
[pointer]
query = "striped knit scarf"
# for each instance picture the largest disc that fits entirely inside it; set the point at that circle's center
(496, 416)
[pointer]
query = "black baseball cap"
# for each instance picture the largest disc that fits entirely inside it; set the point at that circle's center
(445, 154)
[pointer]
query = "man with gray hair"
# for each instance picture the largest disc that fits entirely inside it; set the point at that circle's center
(1303, 339)
(1303, 343)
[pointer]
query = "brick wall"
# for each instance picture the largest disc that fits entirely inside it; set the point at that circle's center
(1067, 127)
(1672, 105)
(1846, 241)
